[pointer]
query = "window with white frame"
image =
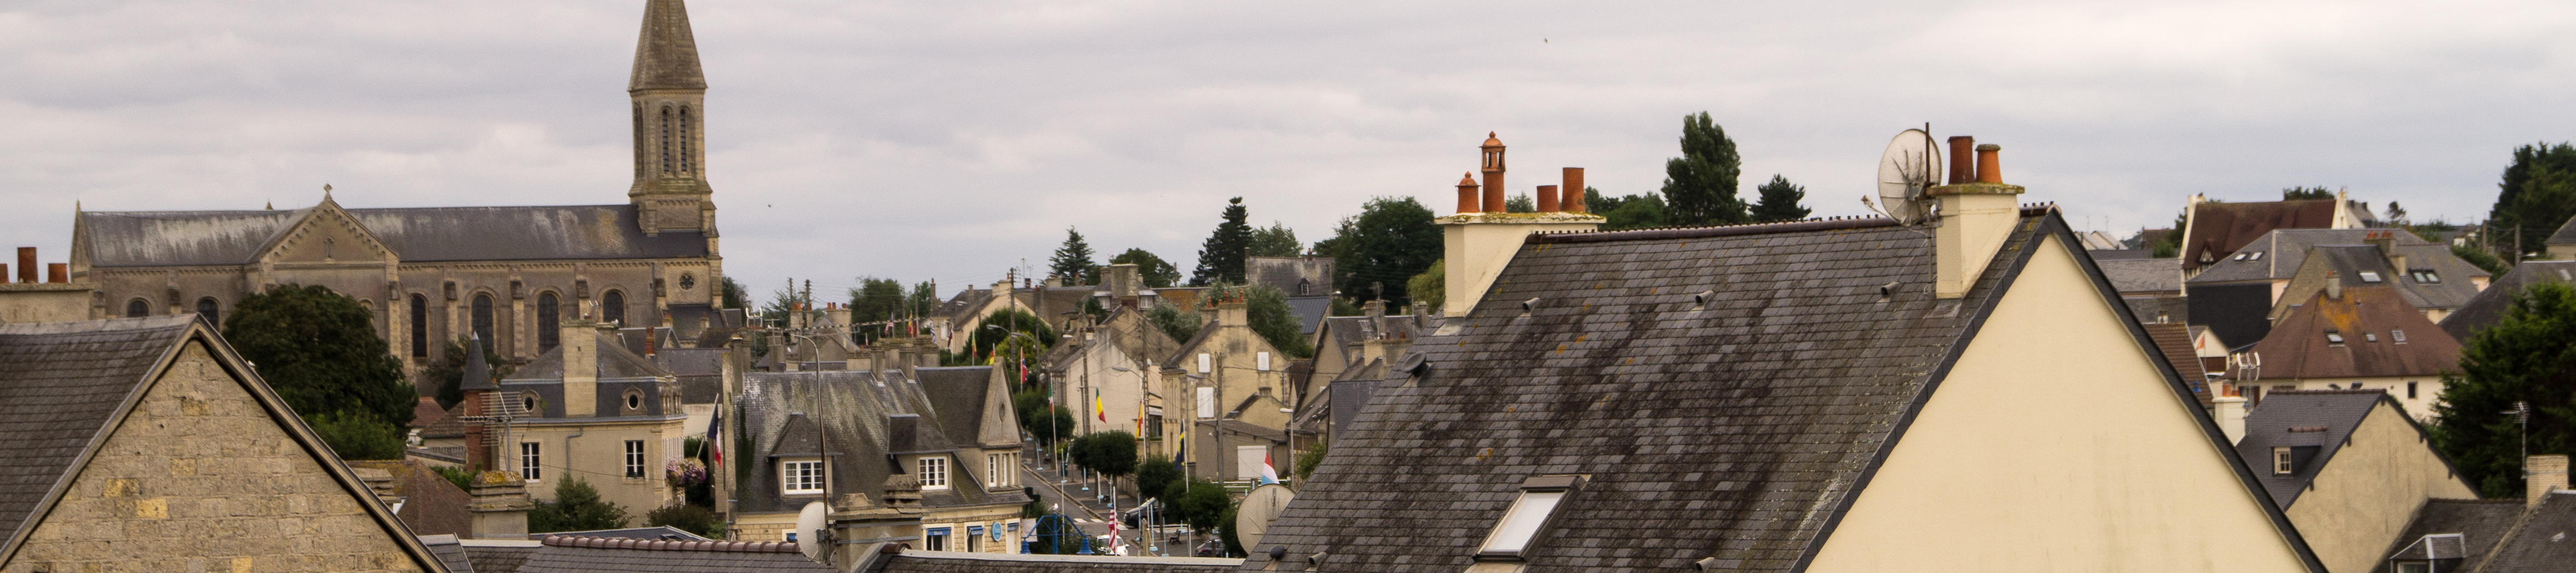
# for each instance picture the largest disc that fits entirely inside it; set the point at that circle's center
(1001, 469)
(635, 458)
(1527, 516)
(2282, 461)
(1207, 402)
(934, 473)
(800, 476)
(1205, 361)
(1261, 361)
(531, 461)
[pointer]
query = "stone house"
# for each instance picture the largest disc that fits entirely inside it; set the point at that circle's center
(504, 274)
(2352, 337)
(148, 444)
(593, 410)
(1114, 364)
(2528, 535)
(1814, 396)
(2212, 230)
(802, 437)
(57, 299)
(2349, 467)
(1233, 389)
(2235, 295)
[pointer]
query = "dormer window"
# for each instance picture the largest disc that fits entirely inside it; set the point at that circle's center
(800, 476)
(1527, 517)
(2281, 461)
(934, 473)
(2369, 276)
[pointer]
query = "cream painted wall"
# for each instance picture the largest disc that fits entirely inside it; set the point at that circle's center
(2368, 491)
(596, 453)
(2055, 445)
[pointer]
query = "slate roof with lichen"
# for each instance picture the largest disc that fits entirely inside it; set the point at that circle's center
(1735, 432)
(2449, 289)
(956, 562)
(568, 554)
(2372, 321)
(2544, 541)
(666, 53)
(854, 415)
(2282, 251)
(2143, 275)
(2488, 307)
(424, 234)
(2566, 234)
(2480, 523)
(60, 384)
(2302, 418)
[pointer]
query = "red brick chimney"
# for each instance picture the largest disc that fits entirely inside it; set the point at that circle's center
(26, 264)
(1989, 168)
(58, 272)
(1547, 198)
(1573, 189)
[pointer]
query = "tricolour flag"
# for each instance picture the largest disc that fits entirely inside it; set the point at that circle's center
(1268, 474)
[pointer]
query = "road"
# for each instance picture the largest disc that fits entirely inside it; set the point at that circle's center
(1079, 499)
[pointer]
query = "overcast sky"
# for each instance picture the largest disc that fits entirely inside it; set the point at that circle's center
(951, 140)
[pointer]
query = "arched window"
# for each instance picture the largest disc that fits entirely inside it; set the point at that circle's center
(210, 309)
(683, 135)
(612, 307)
(138, 309)
(419, 326)
(549, 322)
(483, 321)
(666, 141)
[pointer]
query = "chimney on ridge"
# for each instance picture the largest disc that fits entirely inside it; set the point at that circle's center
(26, 264)
(1470, 200)
(581, 367)
(1493, 166)
(1975, 220)
(1962, 168)
(1573, 190)
(2334, 286)
(2543, 474)
(1547, 199)
(1478, 241)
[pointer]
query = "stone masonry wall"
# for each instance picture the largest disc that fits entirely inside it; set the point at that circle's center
(200, 479)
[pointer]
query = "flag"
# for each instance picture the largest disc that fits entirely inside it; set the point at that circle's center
(715, 438)
(1097, 405)
(1268, 474)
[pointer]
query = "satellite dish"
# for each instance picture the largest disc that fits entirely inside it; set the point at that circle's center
(809, 530)
(1911, 166)
(1260, 507)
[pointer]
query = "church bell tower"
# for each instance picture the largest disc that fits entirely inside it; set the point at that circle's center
(669, 94)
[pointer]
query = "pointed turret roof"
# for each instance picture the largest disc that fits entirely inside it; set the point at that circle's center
(666, 54)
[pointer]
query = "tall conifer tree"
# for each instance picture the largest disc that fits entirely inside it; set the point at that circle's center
(1221, 257)
(1073, 260)
(1699, 186)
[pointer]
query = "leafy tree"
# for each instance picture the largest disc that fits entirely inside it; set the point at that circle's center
(2397, 216)
(1276, 241)
(2484, 260)
(778, 310)
(1157, 477)
(1340, 306)
(1628, 212)
(2313, 192)
(1267, 311)
(1201, 503)
(1780, 201)
(690, 518)
(1048, 424)
(1391, 240)
(577, 507)
(1176, 323)
(1152, 269)
(463, 478)
(2529, 356)
(1072, 260)
(923, 300)
(732, 293)
(874, 300)
(1000, 325)
(320, 352)
(449, 372)
(1221, 257)
(1307, 460)
(1431, 287)
(1699, 186)
(1225, 531)
(1057, 535)
(2537, 195)
(1520, 203)
(1112, 453)
(357, 435)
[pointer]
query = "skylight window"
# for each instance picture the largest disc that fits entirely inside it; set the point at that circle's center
(2368, 336)
(1527, 517)
(2426, 276)
(2258, 255)
(2240, 256)
(2335, 338)
(2370, 276)
(2397, 336)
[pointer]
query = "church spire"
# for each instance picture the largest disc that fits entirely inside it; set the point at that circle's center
(666, 54)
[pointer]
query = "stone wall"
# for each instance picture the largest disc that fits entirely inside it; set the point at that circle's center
(200, 478)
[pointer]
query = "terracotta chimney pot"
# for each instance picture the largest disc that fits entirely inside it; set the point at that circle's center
(1493, 167)
(1573, 189)
(1467, 195)
(1547, 198)
(1989, 169)
(1962, 167)
(58, 272)
(26, 264)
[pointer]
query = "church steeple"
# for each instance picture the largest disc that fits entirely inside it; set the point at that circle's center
(669, 93)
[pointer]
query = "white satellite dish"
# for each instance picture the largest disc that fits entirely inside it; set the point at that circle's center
(1260, 507)
(809, 530)
(1911, 166)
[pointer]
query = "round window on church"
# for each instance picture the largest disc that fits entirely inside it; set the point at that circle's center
(688, 281)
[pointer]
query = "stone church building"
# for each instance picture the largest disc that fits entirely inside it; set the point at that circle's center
(508, 274)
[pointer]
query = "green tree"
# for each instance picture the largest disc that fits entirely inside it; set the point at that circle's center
(1072, 260)
(1047, 424)
(1221, 257)
(1780, 201)
(2529, 356)
(2537, 195)
(1225, 531)
(1342, 306)
(2484, 260)
(1057, 535)
(319, 351)
(923, 300)
(1175, 322)
(1431, 287)
(1699, 186)
(732, 293)
(2397, 216)
(1391, 240)
(1000, 325)
(1277, 240)
(1111, 453)
(874, 300)
(1157, 477)
(1520, 203)
(1201, 503)
(448, 372)
(784, 302)
(2310, 192)
(1156, 272)
(1628, 212)
(690, 518)
(577, 507)
(1267, 310)
(1309, 459)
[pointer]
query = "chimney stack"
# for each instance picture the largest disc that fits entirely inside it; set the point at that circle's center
(1469, 199)
(1493, 166)
(1547, 199)
(2231, 417)
(500, 506)
(2543, 474)
(1989, 168)
(2334, 286)
(58, 272)
(1962, 168)
(1975, 220)
(580, 368)
(26, 264)
(1573, 190)
(1123, 285)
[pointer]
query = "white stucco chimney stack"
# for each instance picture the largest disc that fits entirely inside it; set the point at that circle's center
(2230, 415)
(1976, 217)
(2334, 286)
(2543, 474)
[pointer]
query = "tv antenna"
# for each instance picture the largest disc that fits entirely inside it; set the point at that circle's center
(1906, 171)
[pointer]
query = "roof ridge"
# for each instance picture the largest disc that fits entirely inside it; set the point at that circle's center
(667, 545)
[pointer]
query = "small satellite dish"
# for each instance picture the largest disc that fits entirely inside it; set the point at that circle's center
(1260, 507)
(809, 530)
(1911, 166)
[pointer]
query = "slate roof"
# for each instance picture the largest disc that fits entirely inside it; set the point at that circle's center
(63, 383)
(956, 562)
(2566, 234)
(498, 556)
(2297, 418)
(1289, 274)
(568, 554)
(1736, 431)
(855, 415)
(957, 394)
(2349, 261)
(2365, 317)
(2480, 523)
(658, 532)
(2284, 250)
(1310, 311)
(2488, 307)
(1347, 332)
(2540, 542)
(449, 553)
(426, 234)
(2143, 275)
(2173, 341)
(2218, 229)
(701, 372)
